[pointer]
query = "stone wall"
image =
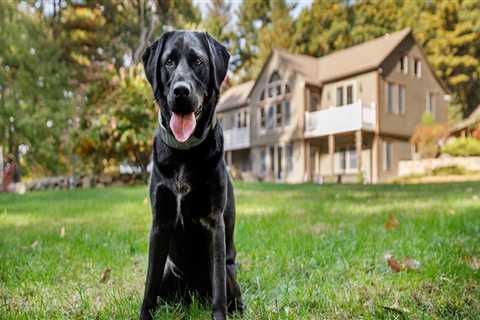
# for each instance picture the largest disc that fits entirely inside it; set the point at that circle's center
(425, 166)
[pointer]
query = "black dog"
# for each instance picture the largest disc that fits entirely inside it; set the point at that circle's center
(191, 247)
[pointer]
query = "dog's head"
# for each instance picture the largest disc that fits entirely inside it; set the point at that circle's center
(185, 70)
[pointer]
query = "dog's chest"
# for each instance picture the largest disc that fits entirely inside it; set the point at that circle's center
(191, 203)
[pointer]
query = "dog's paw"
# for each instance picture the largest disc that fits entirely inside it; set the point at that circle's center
(146, 314)
(219, 315)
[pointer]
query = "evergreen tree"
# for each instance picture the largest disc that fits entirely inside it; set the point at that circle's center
(452, 43)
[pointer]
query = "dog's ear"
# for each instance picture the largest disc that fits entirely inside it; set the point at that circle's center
(151, 59)
(219, 58)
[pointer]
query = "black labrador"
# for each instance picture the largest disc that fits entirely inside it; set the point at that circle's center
(191, 247)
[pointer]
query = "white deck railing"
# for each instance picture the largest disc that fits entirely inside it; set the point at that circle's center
(346, 118)
(236, 138)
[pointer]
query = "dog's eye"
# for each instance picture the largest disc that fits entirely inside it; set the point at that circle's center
(198, 61)
(169, 62)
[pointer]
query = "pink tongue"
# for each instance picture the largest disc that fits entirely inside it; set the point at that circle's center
(182, 125)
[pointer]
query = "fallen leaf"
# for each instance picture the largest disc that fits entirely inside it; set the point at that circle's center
(392, 222)
(409, 263)
(62, 232)
(106, 275)
(473, 262)
(34, 244)
(394, 265)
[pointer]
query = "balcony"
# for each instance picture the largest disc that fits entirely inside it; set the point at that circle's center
(236, 138)
(346, 118)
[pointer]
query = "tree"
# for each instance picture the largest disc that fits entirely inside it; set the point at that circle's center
(252, 16)
(324, 27)
(117, 122)
(451, 33)
(34, 107)
(277, 34)
(217, 22)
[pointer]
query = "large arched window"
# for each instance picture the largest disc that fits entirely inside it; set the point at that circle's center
(274, 77)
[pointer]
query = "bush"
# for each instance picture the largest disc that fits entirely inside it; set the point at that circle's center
(427, 138)
(449, 171)
(462, 147)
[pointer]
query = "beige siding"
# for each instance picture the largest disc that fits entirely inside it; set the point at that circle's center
(364, 87)
(416, 93)
(401, 151)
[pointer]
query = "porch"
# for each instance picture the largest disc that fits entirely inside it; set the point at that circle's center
(340, 158)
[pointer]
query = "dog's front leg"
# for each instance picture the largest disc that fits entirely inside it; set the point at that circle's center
(219, 283)
(159, 243)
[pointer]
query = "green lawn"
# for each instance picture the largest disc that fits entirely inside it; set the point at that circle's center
(304, 252)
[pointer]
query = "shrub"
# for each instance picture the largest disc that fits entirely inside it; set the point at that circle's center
(427, 138)
(449, 171)
(476, 133)
(462, 147)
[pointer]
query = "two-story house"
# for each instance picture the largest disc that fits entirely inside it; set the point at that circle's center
(344, 117)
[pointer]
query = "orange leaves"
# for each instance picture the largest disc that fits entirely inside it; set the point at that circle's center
(407, 263)
(392, 222)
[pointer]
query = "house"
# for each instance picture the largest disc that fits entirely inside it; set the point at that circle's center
(344, 117)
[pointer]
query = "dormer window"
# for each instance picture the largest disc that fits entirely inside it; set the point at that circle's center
(404, 64)
(417, 68)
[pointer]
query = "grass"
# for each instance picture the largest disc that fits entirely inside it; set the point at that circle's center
(305, 252)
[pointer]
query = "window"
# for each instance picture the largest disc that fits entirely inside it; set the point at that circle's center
(389, 97)
(278, 115)
(313, 102)
(262, 95)
(352, 158)
(431, 103)
(289, 157)
(339, 96)
(287, 88)
(270, 117)
(417, 68)
(263, 161)
(272, 160)
(404, 64)
(245, 118)
(270, 92)
(262, 118)
(401, 99)
(286, 113)
(350, 94)
(279, 90)
(388, 155)
(275, 76)
(238, 116)
(279, 162)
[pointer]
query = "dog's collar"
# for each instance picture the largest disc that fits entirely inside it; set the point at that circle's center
(191, 142)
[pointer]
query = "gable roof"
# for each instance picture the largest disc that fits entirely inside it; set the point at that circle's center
(235, 96)
(360, 58)
(357, 59)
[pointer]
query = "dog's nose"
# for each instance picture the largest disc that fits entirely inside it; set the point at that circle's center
(181, 89)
